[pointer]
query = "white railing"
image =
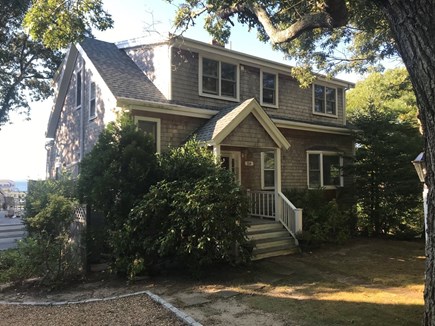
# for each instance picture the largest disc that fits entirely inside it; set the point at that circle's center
(289, 216)
(264, 204)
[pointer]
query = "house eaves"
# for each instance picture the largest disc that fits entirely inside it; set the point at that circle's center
(64, 77)
(243, 58)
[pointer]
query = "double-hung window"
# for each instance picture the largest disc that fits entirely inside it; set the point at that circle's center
(269, 89)
(151, 128)
(267, 170)
(325, 100)
(92, 101)
(324, 169)
(79, 89)
(218, 79)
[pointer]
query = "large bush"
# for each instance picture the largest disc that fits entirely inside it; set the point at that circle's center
(324, 220)
(118, 171)
(194, 217)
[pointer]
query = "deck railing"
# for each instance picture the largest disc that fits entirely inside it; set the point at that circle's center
(266, 205)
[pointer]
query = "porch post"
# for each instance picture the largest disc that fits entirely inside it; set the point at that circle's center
(278, 207)
(217, 152)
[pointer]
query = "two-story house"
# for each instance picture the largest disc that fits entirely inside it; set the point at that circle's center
(271, 133)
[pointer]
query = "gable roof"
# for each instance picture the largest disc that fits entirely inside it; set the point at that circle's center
(123, 77)
(117, 70)
(226, 120)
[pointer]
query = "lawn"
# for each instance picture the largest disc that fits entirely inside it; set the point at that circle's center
(365, 282)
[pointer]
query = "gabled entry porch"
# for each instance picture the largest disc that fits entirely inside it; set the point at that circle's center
(249, 144)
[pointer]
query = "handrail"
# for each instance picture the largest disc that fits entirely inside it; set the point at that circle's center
(266, 205)
(289, 216)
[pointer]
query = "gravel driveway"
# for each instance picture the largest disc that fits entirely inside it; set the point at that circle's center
(137, 310)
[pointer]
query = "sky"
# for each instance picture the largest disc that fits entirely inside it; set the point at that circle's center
(23, 142)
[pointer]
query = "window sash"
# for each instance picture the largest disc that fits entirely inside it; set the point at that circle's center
(79, 89)
(219, 78)
(269, 88)
(325, 170)
(92, 101)
(267, 170)
(325, 100)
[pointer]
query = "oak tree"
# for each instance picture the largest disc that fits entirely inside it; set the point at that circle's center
(343, 35)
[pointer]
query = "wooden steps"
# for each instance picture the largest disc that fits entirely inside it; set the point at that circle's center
(270, 239)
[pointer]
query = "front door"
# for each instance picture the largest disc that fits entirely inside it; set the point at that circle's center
(231, 161)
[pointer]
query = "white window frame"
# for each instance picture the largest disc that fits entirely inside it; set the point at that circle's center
(149, 119)
(219, 96)
(271, 105)
(263, 155)
(324, 99)
(92, 116)
(321, 154)
(79, 75)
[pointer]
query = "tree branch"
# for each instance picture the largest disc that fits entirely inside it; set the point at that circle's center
(334, 15)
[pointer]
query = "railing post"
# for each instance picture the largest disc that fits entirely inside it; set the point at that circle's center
(298, 220)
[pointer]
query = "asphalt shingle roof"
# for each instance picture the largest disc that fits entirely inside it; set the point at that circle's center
(120, 73)
(218, 123)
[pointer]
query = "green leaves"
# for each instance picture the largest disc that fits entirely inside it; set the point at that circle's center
(57, 23)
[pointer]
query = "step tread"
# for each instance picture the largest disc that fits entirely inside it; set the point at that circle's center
(274, 244)
(272, 239)
(268, 235)
(275, 254)
(279, 247)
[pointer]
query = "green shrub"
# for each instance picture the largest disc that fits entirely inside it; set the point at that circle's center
(48, 252)
(323, 220)
(194, 218)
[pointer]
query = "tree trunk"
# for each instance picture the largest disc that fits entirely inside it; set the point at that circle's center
(413, 27)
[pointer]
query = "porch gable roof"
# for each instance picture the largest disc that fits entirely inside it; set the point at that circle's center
(226, 120)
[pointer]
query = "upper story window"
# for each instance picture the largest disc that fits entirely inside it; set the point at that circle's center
(218, 79)
(269, 89)
(151, 127)
(267, 170)
(325, 100)
(79, 89)
(324, 170)
(92, 101)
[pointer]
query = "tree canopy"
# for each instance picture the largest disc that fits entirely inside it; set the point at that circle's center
(32, 33)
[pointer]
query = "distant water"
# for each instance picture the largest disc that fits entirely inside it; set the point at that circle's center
(21, 185)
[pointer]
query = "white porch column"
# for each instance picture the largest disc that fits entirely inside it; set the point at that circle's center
(278, 208)
(217, 152)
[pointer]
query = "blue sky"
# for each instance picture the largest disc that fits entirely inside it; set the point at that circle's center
(23, 141)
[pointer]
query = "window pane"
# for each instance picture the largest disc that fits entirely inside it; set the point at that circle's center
(92, 104)
(269, 88)
(330, 100)
(319, 99)
(331, 170)
(228, 71)
(269, 160)
(210, 67)
(314, 161)
(150, 129)
(79, 89)
(228, 88)
(330, 94)
(209, 85)
(269, 178)
(314, 179)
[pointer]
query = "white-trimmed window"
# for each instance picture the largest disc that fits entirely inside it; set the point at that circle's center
(324, 169)
(267, 170)
(151, 127)
(92, 101)
(269, 89)
(324, 100)
(79, 89)
(218, 79)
